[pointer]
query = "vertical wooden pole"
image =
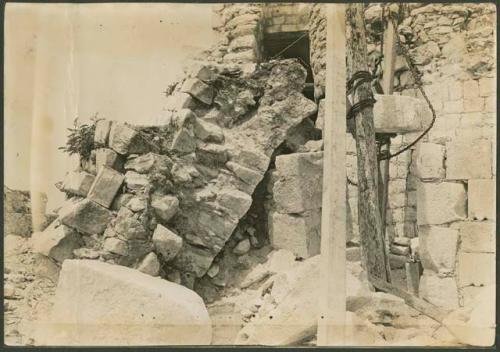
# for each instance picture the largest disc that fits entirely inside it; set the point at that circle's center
(369, 217)
(331, 324)
(388, 88)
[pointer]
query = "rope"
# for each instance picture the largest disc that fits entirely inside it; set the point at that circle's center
(289, 46)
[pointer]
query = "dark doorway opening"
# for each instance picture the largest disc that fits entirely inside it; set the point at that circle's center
(288, 45)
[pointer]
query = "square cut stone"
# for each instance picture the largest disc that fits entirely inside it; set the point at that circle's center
(482, 194)
(438, 248)
(106, 186)
(101, 134)
(78, 183)
(108, 157)
(299, 234)
(442, 292)
(468, 159)
(430, 161)
(125, 140)
(477, 236)
(400, 114)
(167, 243)
(476, 269)
(86, 216)
(440, 203)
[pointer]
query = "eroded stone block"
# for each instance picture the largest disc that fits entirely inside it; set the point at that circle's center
(107, 157)
(234, 202)
(477, 236)
(439, 291)
(166, 242)
(86, 216)
(78, 183)
(438, 248)
(125, 140)
(476, 269)
(57, 241)
(199, 90)
(101, 134)
(468, 159)
(430, 161)
(149, 265)
(105, 186)
(165, 206)
(440, 203)
(299, 234)
(144, 163)
(481, 199)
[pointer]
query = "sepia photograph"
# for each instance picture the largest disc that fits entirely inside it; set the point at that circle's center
(250, 174)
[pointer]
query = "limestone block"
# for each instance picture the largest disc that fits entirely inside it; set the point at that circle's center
(487, 87)
(183, 142)
(208, 132)
(430, 161)
(299, 187)
(125, 140)
(243, 42)
(144, 163)
(476, 269)
(115, 246)
(299, 234)
(476, 236)
(129, 225)
(136, 182)
(153, 311)
(57, 241)
(468, 159)
(235, 203)
(438, 248)
(164, 206)
(108, 157)
(400, 114)
(78, 183)
(86, 216)
(105, 186)
(440, 203)
(211, 154)
(199, 90)
(251, 159)
(481, 199)
(149, 265)
(166, 242)
(320, 121)
(249, 176)
(439, 291)
(101, 134)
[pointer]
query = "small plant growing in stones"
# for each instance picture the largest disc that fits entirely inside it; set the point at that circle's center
(81, 138)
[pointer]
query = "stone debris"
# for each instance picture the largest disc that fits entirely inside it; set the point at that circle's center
(77, 183)
(165, 206)
(166, 242)
(150, 265)
(57, 242)
(86, 216)
(108, 157)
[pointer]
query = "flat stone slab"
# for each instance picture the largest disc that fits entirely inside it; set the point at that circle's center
(105, 186)
(102, 304)
(400, 114)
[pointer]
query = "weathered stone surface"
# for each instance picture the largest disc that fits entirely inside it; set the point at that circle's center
(475, 324)
(183, 142)
(242, 247)
(438, 248)
(208, 132)
(137, 204)
(468, 159)
(129, 225)
(249, 176)
(115, 246)
(476, 236)
(86, 216)
(477, 269)
(430, 161)
(105, 186)
(57, 241)
(165, 206)
(108, 157)
(211, 154)
(144, 163)
(439, 291)
(440, 203)
(320, 121)
(78, 183)
(18, 224)
(149, 265)
(400, 114)
(299, 234)
(101, 133)
(234, 202)
(125, 140)
(481, 199)
(180, 100)
(400, 250)
(136, 182)
(166, 242)
(199, 90)
(299, 185)
(155, 311)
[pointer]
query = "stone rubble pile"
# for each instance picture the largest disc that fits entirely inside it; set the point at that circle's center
(165, 199)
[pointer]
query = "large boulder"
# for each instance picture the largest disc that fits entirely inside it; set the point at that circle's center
(101, 304)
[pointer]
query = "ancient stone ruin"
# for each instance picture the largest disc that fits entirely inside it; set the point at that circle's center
(223, 194)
